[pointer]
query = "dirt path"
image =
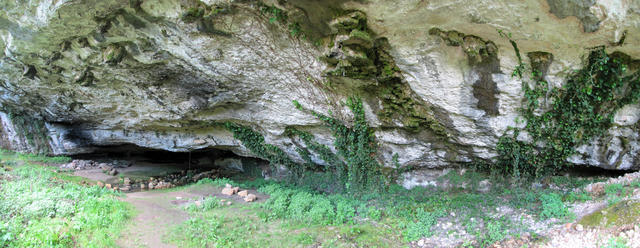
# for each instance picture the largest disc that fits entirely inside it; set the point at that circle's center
(158, 211)
(155, 215)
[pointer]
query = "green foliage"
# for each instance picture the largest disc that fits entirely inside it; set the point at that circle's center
(33, 131)
(614, 193)
(495, 230)
(254, 141)
(422, 227)
(298, 204)
(193, 14)
(38, 211)
(277, 15)
(357, 147)
(202, 233)
(218, 182)
(355, 163)
(617, 242)
(553, 207)
(207, 204)
(574, 114)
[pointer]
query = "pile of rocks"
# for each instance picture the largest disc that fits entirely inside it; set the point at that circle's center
(165, 182)
(597, 189)
(159, 184)
(230, 190)
(79, 164)
(108, 168)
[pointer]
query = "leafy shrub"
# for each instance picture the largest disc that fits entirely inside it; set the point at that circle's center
(553, 207)
(422, 226)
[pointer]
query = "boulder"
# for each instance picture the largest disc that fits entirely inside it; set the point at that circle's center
(250, 198)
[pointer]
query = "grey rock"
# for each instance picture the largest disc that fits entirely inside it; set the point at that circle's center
(87, 74)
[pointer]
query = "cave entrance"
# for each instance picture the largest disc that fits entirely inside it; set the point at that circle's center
(138, 168)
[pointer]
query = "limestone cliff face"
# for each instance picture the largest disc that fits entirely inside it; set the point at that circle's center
(435, 76)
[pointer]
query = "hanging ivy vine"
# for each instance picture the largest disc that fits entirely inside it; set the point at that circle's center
(558, 120)
(354, 164)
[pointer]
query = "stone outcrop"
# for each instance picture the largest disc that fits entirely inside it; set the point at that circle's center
(435, 76)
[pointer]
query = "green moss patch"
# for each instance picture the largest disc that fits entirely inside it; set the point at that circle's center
(622, 213)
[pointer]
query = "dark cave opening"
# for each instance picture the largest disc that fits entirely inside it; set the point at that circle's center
(133, 161)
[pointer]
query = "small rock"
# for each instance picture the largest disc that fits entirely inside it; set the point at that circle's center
(250, 198)
(236, 189)
(151, 185)
(228, 203)
(579, 228)
(484, 186)
(228, 191)
(198, 203)
(113, 172)
(100, 184)
(243, 193)
(595, 189)
(143, 186)
(568, 226)
(127, 181)
(108, 186)
(421, 242)
(178, 197)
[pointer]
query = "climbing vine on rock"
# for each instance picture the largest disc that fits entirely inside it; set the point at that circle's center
(357, 148)
(32, 131)
(355, 163)
(254, 141)
(558, 120)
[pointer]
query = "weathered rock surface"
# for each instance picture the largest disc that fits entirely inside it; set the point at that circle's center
(164, 74)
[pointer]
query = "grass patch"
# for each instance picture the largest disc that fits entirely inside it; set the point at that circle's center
(413, 214)
(41, 209)
(244, 226)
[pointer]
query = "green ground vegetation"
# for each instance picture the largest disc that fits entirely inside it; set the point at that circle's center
(43, 208)
(406, 215)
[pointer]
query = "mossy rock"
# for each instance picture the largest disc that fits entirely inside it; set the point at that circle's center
(113, 54)
(622, 213)
(346, 23)
(359, 38)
